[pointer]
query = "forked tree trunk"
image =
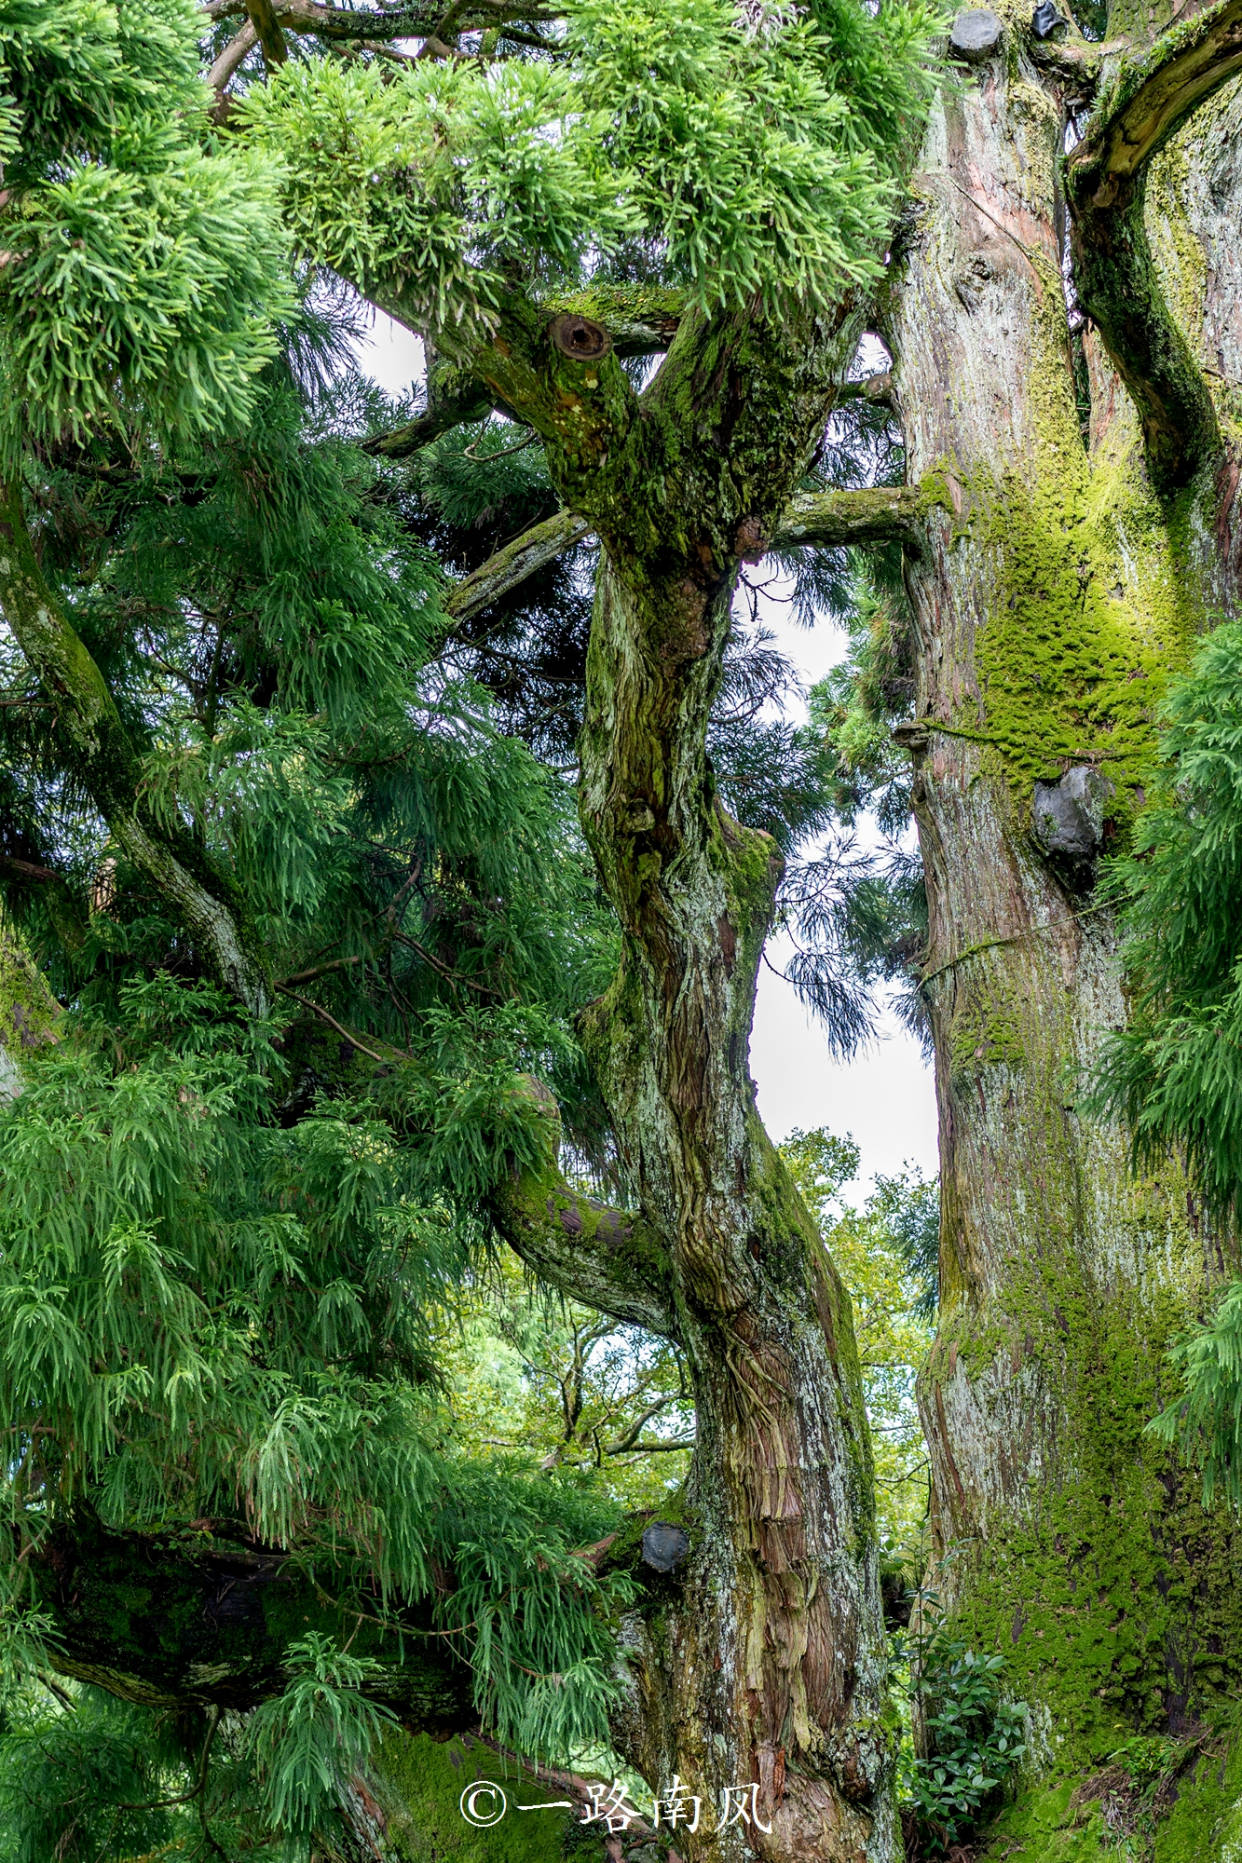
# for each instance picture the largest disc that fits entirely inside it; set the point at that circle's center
(1056, 594)
(759, 1662)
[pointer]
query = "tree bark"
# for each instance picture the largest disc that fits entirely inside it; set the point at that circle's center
(760, 1660)
(763, 1660)
(1062, 581)
(28, 1013)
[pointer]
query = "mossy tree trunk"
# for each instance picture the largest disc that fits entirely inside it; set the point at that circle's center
(761, 1660)
(28, 1013)
(1075, 554)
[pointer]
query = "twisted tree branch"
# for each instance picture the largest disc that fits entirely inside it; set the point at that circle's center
(609, 1259)
(1118, 286)
(817, 520)
(97, 747)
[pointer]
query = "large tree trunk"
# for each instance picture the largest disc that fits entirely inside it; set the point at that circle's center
(1057, 592)
(759, 1662)
(764, 1662)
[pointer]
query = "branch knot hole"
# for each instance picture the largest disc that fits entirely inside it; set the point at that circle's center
(579, 337)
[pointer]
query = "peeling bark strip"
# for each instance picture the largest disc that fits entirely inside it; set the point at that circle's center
(1053, 599)
(1115, 271)
(98, 749)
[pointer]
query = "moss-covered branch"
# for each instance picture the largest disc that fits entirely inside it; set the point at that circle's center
(641, 320)
(1115, 272)
(509, 568)
(262, 16)
(455, 398)
(555, 370)
(97, 749)
(611, 1259)
(820, 520)
(404, 441)
(196, 1620)
(878, 514)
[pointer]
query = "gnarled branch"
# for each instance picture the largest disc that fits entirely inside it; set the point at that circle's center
(553, 370)
(223, 1612)
(835, 520)
(877, 389)
(641, 320)
(609, 1259)
(1115, 272)
(97, 745)
(817, 520)
(403, 442)
(510, 567)
(234, 54)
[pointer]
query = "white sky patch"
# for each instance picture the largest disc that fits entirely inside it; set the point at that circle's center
(884, 1096)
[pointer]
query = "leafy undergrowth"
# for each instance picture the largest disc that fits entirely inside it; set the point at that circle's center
(970, 1742)
(1138, 1788)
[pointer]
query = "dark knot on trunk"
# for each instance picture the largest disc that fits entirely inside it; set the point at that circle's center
(664, 1545)
(579, 337)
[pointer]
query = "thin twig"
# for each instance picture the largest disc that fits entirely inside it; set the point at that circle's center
(316, 1009)
(501, 452)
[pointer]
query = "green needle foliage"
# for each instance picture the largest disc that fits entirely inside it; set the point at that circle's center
(232, 1241)
(1176, 1071)
(83, 1776)
(229, 1246)
(143, 267)
(750, 156)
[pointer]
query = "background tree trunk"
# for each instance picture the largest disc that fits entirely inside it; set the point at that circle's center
(1056, 595)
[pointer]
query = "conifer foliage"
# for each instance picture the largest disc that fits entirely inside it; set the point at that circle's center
(275, 831)
(143, 268)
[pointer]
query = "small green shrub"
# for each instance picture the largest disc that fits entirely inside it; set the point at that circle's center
(972, 1739)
